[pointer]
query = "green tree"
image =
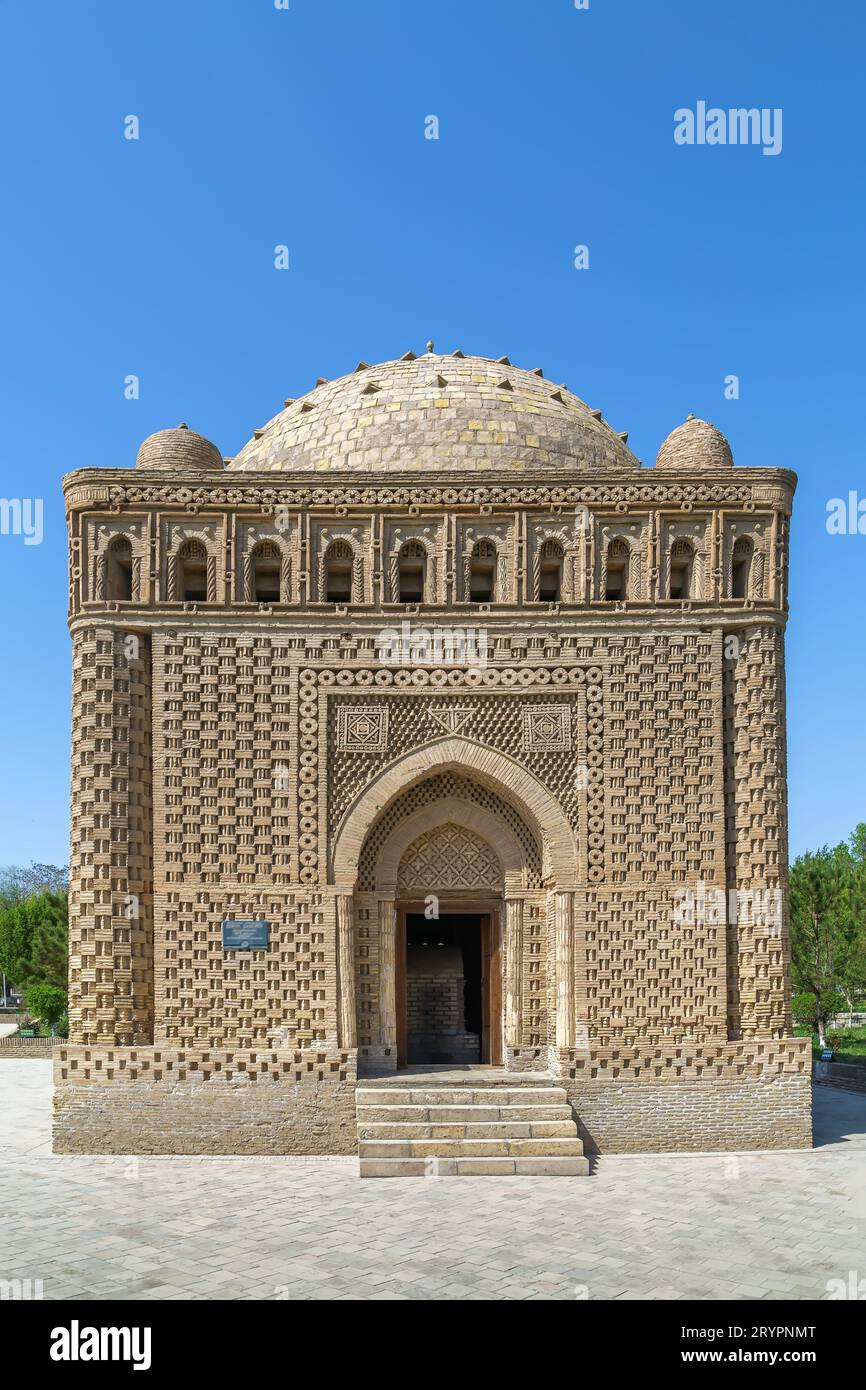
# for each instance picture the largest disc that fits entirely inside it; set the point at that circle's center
(804, 1010)
(49, 954)
(33, 941)
(19, 882)
(818, 889)
(16, 941)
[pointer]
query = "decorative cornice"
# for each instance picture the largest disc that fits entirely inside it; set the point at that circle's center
(118, 489)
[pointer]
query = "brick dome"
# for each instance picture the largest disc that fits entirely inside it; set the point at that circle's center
(695, 444)
(180, 450)
(437, 413)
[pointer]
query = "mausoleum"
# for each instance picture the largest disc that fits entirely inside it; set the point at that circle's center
(428, 786)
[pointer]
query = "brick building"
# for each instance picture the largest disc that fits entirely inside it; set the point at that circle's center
(432, 648)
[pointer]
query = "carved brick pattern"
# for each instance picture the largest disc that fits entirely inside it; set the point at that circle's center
(537, 1027)
(362, 729)
(674, 1061)
(662, 770)
(211, 998)
(449, 857)
(651, 980)
(445, 784)
(495, 720)
(547, 728)
(756, 829)
(648, 978)
(111, 974)
(81, 1065)
(226, 735)
(367, 972)
(270, 495)
(675, 776)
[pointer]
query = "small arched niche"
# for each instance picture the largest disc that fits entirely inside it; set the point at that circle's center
(682, 561)
(741, 568)
(266, 566)
(551, 558)
(118, 578)
(411, 572)
(617, 570)
(338, 575)
(192, 572)
(482, 572)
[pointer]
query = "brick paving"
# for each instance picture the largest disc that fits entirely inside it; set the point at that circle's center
(751, 1226)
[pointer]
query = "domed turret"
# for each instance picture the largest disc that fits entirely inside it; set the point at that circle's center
(695, 444)
(180, 450)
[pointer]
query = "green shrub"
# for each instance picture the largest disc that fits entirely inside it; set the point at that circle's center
(47, 1002)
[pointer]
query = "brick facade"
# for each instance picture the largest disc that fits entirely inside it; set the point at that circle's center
(606, 771)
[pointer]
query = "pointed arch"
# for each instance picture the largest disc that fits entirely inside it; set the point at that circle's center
(457, 811)
(510, 779)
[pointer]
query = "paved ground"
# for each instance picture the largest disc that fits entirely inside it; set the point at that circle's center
(749, 1226)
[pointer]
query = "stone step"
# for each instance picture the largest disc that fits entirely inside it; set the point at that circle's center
(491, 1129)
(538, 1167)
(449, 1095)
(460, 1114)
(470, 1148)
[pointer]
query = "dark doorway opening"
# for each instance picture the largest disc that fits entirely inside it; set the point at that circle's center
(444, 971)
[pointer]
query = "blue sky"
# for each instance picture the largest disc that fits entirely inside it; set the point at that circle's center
(305, 127)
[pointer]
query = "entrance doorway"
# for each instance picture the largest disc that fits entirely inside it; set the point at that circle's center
(449, 985)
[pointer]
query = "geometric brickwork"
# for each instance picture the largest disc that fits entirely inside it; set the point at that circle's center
(437, 788)
(449, 857)
(496, 718)
(434, 630)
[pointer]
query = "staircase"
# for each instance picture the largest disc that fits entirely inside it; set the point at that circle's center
(467, 1124)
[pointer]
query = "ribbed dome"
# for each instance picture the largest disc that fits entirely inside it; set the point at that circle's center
(437, 412)
(695, 444)
(180, 449)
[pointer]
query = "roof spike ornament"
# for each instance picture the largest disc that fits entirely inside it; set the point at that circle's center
(429, 344)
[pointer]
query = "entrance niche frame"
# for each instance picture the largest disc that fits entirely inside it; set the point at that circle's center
(490, 910)
(544, 817)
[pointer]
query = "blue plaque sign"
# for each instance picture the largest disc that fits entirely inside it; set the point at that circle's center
(245, 936)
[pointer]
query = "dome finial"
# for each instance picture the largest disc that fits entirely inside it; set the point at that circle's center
(429, 344)
(180, 449)
(695, 444)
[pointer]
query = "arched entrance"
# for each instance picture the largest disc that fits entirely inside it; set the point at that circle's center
(448, 975)
(472, 839)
